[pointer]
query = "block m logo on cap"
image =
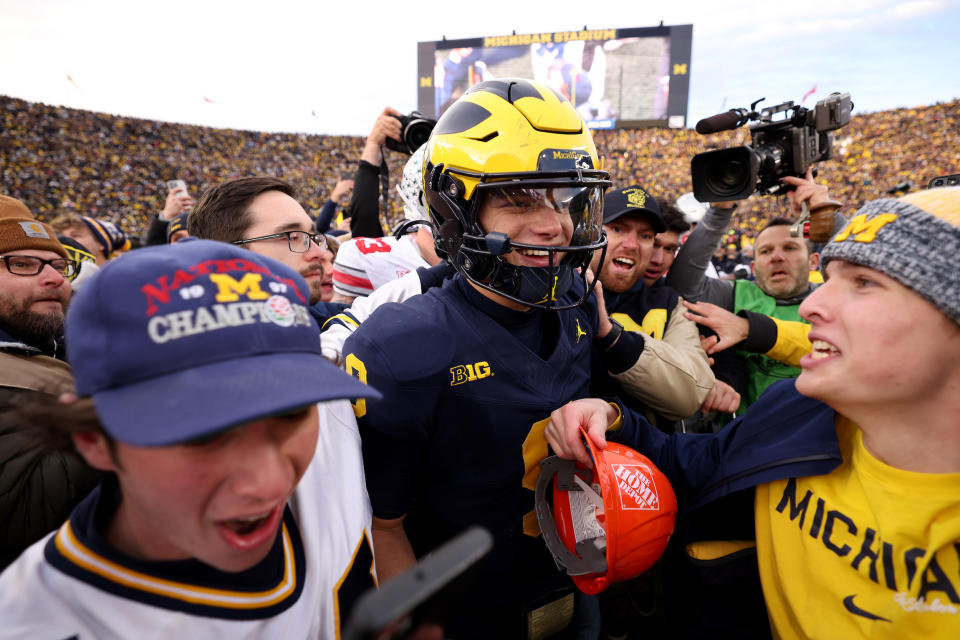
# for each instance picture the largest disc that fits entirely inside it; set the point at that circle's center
(230, 289)
(865, 229)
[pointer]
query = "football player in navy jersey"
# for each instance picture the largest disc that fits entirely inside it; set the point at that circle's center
(471, 371)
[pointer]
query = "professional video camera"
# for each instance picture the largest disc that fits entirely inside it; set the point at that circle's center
(415, 129)
(785, 147)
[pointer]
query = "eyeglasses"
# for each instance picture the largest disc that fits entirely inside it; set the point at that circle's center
(297, 241)
(31, 266)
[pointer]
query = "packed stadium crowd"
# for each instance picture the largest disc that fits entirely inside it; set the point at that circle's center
(549, 405)
(872, 155)
(67, 160)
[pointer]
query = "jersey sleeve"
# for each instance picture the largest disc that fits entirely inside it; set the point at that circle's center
(793, 342)
(784, 340)
(350, 276)
(338, 328)
(405, 365)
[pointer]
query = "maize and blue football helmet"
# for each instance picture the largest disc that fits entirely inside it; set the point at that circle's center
(521, 141)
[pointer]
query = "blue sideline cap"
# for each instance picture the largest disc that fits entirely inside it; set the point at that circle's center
(176, 342)
(632, 199)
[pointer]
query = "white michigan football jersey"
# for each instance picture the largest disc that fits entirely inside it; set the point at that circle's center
(363, 264)
(72, 585)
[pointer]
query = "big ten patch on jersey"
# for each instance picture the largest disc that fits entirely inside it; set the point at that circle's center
(461, 373)
(256, 296)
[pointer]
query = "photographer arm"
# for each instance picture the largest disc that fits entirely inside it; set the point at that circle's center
(329, 209)
(364, 209)
(825, 217)
(687, 275)
(386, 125)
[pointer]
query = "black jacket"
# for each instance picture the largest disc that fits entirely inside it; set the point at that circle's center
(39, 486)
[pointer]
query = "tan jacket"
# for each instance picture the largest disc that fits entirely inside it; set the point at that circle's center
(34, 373)
(672, 376)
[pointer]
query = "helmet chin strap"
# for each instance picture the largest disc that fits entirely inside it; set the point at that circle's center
(533, 286)
(405, 227)
(498, 243)
(544, 285)
(539, 287)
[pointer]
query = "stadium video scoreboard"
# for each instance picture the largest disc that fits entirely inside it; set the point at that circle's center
(616, 78)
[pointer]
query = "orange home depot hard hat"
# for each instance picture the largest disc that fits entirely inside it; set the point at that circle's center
(607, 524)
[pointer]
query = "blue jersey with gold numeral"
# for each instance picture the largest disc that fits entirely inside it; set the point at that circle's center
(456, 441)
(641, 309)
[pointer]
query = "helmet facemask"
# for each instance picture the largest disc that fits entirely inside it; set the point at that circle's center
(575, 195)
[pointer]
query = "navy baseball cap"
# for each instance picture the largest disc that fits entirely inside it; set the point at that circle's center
(632, 199)
(176, 342)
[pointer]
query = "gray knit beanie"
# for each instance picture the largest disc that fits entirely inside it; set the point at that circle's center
(914, 239)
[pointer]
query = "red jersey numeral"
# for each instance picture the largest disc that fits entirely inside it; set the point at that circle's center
(372, 245)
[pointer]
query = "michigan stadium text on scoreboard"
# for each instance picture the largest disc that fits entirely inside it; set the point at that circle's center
(616, 78)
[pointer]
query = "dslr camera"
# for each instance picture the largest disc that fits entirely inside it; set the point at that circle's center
(779, 148)
(415, 129)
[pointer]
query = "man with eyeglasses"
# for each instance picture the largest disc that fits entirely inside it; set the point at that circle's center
(34, 290)
(263, 215)
(38, 488)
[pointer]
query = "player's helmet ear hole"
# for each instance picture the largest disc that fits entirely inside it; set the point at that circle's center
(434, 174)
(452, 187)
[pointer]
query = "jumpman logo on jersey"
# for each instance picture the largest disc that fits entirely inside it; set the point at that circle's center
(552, 296)
(580, 332)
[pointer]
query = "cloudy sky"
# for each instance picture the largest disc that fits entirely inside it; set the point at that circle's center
(330, 67)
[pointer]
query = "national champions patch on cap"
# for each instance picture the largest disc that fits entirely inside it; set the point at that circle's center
(175, 342)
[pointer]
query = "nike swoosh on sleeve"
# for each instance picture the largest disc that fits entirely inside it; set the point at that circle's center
(857, 611)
